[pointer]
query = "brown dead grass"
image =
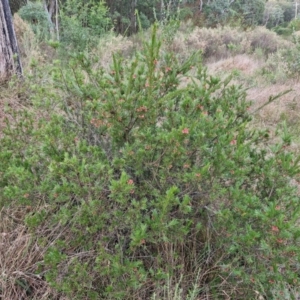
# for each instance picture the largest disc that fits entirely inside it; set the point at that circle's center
(27, 42)
(20, 256)
(284, 108)
(288, 104)
(223, 42)
(245, 63)
(9, 98)
(109, 45)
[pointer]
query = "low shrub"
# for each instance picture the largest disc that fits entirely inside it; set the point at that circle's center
(286, 60)
(82, 23)
(216, 42)
(295, 24)
(146, 181)
(265, 39)
(283, 30)
(223, 42)
(34, 14)
(28, 42)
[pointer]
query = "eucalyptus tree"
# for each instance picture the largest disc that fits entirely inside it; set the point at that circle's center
(15, 5)
(9, 55)
(221, 11)
(124, 12)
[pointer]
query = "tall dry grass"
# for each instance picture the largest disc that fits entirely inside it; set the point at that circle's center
(223, 42)
(20, 256)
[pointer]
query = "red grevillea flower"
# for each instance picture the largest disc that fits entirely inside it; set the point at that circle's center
(185, 131)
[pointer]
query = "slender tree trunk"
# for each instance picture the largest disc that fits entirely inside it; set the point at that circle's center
(9, 55)
(49, 14)
(51, 9)
(56, 20)
(200, 5)
(162, 10)
(133, 16)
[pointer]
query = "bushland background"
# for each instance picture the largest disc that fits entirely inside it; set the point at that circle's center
(152, 151)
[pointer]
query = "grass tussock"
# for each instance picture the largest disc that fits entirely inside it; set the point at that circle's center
(20, 256)
(223, 42)
(283, 110)
(29, 47)
(273, 113)
(113, 44)
(217, 45)
(244, 63)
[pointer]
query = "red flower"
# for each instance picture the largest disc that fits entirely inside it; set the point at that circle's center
(275, 229)
(130, 182)
(185, 131)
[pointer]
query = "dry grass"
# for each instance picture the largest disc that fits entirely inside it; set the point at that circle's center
(244, 63)
(216, 44)
(286, 106)
(223, 42)
(260, 89)
(27, 42)
(113, 44)
(9, 98)
(20, 256)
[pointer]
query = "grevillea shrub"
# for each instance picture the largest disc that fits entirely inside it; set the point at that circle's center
(148, 175)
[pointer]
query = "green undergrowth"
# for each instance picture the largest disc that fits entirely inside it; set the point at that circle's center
(145, 187)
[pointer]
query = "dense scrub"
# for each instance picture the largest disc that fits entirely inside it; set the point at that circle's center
(145, 181)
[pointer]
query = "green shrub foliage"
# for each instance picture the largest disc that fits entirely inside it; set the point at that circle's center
(36, 16)
(82, 23)
(149, 173)
(249, 13)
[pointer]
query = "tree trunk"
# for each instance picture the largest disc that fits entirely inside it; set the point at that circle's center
(133, 16)
(9, 54)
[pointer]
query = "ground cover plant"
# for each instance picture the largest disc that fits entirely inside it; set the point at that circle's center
(145, 181)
